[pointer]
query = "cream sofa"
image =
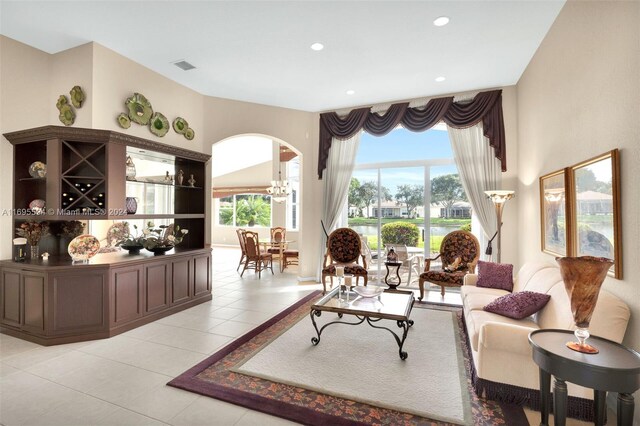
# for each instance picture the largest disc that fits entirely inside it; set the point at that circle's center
(500, 347)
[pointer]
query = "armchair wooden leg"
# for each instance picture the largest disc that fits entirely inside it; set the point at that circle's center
(421, 286)
(246, 265)
(442, 290)
(324, 284)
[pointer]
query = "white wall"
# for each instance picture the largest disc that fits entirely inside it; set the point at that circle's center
(226, 118)
(580, 97)
(25, 101)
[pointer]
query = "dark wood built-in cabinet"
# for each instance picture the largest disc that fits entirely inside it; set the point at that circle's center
(55, 301)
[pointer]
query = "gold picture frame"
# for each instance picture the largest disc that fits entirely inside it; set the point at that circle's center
(595, 209)
(555, 226)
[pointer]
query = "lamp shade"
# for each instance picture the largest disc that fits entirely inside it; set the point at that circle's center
(500, 196)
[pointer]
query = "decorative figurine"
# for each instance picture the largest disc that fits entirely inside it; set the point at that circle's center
(392, 256)
(130, 169)
(180, 177)
(168, 179)
(191, 181)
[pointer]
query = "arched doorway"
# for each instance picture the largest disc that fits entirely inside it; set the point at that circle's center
(242, 168)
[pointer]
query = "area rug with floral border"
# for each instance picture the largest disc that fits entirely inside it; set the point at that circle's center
(215, 377)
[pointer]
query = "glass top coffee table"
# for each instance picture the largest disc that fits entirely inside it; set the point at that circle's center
(388, 305)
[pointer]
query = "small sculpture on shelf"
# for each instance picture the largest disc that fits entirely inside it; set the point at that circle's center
(167, 178)
(180, 177)
(192, 181)
(130, 169)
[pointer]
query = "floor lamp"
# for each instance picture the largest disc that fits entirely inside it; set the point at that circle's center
(499, 198)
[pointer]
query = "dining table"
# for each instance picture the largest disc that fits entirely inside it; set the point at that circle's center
(281, 245)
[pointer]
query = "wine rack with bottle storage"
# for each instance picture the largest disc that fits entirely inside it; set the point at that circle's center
(86, 181)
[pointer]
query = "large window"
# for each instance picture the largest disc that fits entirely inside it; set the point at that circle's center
(293, 206)
(405, 190)
(245, 210)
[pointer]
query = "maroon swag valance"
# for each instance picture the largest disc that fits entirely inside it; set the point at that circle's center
(486, 106)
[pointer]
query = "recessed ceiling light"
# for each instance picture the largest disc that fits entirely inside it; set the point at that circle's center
(440, 79)
(350, 92)
(317, 46)
(441, 21)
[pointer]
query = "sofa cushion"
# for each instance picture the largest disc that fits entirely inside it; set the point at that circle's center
(468, 290)
(537, 276)
(495, 275)
(477, 318)
(518, 305)
(479, 300)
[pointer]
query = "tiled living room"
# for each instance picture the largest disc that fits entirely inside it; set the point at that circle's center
(108, 319)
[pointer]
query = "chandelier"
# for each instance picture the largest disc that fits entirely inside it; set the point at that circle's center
(279, 189)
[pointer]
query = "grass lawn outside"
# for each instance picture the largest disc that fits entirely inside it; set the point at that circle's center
(434, 246)
(437, 221)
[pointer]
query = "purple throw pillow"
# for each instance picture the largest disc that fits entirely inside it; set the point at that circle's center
(518, 305)
(495, 275)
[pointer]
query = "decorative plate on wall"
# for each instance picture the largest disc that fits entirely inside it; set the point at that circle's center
(139, 108)
(38, 169)
(159, 125)
(180, 125)
(124, 121)
(67, 115)
(77, 96)
(190, 134)
(83, 248)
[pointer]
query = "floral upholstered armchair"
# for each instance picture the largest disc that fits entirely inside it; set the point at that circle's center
(344, 249)
(459, 254)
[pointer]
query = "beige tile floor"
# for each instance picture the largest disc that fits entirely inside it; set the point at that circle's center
(121, 380)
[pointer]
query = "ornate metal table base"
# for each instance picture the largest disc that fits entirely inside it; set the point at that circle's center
(404, 325)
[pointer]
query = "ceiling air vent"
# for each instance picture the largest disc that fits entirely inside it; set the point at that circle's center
(184, 65)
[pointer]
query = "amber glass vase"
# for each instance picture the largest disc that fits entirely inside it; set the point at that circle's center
(583, 276)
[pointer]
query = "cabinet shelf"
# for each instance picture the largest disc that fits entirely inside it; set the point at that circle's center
(160, 216)
(144, 182)
(32, 179)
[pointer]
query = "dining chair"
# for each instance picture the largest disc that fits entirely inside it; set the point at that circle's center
(344, 249)
(278, 244)
(460, 248)
(243, 252)
(290, 257)
(255, 258)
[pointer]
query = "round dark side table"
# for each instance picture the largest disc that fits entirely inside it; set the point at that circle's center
(391, 282)
(615, 368)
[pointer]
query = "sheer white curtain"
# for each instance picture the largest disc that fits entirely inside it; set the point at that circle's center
(336, 178)
(479, 171)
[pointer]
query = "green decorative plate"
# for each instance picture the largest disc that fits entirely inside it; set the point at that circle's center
(67, 116)
(159, 125)
(123, 120)
(190, 134)
(180, 125)
(139, 108)
(77, 96)
(62, 101)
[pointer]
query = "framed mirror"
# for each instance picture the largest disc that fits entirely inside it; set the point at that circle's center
(595, 209)
(554, 207)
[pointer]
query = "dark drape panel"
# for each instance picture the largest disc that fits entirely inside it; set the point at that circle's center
(486, 106)
(331, 125)
(421, 119)
(380, 125)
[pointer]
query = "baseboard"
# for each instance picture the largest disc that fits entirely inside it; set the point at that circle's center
(301, 279)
